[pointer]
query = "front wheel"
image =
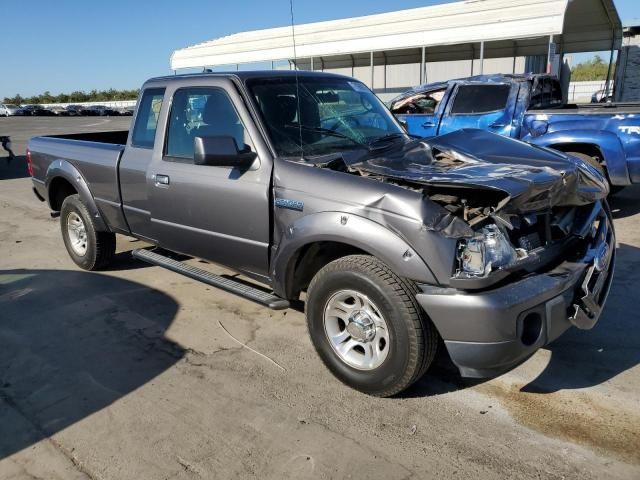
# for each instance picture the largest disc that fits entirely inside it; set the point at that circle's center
(88, 248)
(366, 325)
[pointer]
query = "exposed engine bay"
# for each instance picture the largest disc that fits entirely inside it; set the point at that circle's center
(508, 203)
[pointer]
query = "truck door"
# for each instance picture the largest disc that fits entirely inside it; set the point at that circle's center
(137, 156)
(422, 111)
(487, 106)
(216, 213)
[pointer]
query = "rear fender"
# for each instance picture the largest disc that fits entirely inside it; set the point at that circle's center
(607, 142)
(352, 230)
(64, 169)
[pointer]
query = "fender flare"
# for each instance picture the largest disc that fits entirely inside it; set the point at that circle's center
(352, 230)
(607, 142)
(64, 169)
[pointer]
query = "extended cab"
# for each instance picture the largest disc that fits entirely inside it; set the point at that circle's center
(305, 182)
(530, 108)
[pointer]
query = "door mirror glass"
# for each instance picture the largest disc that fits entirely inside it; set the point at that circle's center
(221, 151)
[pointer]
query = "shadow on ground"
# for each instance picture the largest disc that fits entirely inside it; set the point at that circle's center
(579, 359)
(16, 168)
(72, 343)
(626, 203)
(582, 359)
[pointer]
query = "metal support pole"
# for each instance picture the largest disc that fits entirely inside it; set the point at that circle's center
(606, 85)
(272, 65)
(384, 73)
(372, 69)
(481, 57)
(423, 66)
(549, 54)
(312, 64)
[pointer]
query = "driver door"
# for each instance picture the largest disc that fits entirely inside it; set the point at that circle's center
(218, 213)
(422, 111)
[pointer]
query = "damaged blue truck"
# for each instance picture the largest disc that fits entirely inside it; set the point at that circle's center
(530, 108)
(307, 185)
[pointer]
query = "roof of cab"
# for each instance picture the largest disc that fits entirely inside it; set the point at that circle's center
(492, 78)
(248, 75)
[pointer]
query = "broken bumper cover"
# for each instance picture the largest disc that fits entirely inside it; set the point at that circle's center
(491, 332)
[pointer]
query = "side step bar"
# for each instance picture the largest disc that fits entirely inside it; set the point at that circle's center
(267, 299)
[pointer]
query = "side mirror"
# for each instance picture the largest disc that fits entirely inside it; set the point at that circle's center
(403, 123)
(221, 151)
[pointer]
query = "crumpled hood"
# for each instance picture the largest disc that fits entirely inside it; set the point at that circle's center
(531, 177)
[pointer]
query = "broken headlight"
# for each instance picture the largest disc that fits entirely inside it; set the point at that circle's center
(489, 250)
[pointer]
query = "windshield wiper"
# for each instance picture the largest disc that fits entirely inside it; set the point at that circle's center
(329, 132)
(385, 139)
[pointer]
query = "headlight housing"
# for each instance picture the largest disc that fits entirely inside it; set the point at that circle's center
(488, 251)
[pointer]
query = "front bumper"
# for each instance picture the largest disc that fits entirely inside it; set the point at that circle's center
(491, 332)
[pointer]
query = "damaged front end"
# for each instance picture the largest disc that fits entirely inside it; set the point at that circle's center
(511, 206)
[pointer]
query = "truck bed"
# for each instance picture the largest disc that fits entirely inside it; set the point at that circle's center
(94, 156)
(118, 137)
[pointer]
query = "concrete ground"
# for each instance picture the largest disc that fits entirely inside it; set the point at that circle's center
(131, 373)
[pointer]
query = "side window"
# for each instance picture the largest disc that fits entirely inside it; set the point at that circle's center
(420, 103)
(483, 98)
(202, 112)
(144, 131)
(546, 93)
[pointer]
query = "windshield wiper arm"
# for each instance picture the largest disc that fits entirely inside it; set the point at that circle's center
(385, 138)
(329, 132)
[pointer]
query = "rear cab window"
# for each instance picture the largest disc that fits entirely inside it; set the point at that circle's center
(481, 98)
(545, 93)
(144, 130)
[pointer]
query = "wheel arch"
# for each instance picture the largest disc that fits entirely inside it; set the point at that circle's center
(606, 144)
(315, 240)
(63, 179)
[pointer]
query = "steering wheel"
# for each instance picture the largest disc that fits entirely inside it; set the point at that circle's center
(349, 120)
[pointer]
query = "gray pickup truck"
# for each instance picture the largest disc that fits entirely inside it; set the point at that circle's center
(306, 184)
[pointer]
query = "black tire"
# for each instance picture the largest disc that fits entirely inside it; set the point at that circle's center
(100, 246)
(413, 339)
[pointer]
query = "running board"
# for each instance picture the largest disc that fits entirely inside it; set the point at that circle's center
(250, 293)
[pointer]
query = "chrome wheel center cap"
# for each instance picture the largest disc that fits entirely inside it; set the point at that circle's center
(361, 327)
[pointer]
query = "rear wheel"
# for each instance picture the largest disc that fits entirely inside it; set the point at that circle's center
(89, 249)
(367, 327)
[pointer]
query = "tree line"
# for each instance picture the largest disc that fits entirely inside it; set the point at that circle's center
(75, 97)
(594, 69)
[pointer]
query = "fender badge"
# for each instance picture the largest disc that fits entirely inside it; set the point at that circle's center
(289, 204)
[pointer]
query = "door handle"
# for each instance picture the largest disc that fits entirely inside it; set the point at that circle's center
(161, 180)
(428, 124)
(498, 125)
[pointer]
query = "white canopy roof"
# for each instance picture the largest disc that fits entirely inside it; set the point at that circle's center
(584, 25)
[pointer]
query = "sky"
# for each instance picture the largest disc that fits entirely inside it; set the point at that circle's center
(67, 45)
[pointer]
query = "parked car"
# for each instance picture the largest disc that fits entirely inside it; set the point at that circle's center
(600, 97)
(8, 110)
(493, 245)
(529, 108)
(127, 111)
(59, 111)
(99, 111)
(74, 110)
(37, 111)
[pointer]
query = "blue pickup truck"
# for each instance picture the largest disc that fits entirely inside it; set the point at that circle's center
(530, 108)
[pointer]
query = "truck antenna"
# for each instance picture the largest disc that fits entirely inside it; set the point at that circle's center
(295, 67)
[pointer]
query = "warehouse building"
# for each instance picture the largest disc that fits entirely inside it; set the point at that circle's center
(393, 51)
